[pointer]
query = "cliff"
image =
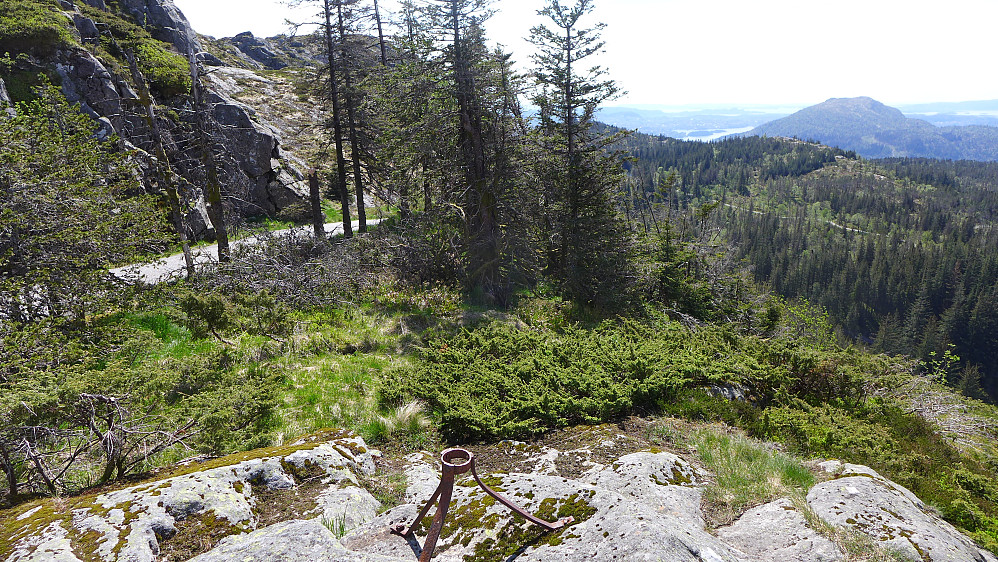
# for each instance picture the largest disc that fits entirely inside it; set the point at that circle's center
(83, 47)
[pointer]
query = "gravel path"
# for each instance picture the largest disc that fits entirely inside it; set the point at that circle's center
(172, 267)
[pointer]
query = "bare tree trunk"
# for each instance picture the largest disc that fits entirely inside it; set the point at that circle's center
(8, 468)
(381, 35)
(341, 164)
(213, 186)
(166, 175)
(315, 199)
(32, 454)
(358, 177)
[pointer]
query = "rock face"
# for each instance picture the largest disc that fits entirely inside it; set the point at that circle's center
(271, 53)
(166, 22)
(643, 505)
(258, 176)
(258, 50)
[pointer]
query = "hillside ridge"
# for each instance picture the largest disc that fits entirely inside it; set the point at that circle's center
(876, 130)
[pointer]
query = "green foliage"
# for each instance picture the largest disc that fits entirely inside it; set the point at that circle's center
(64, 388)
(167, 71)
(214, 314)
(207, 315)
(71, 209)
(502, 382)
(33, 26)
(902, 446)
(899, 252)
(22, 85)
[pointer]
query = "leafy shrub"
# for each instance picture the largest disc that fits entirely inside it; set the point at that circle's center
(213, 314)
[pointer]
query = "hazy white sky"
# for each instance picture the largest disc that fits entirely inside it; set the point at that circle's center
(700, 52)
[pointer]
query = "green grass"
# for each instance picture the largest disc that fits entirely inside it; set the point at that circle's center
(176, 341)
(746, 472)
(332, 210)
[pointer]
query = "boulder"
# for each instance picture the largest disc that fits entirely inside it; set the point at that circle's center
(861, 499)
(777, 532)
(86, 27)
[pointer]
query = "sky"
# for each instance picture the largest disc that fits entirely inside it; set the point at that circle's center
(738, 53)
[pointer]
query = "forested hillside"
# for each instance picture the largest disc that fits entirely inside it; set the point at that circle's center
(532, 273)
(903, 253)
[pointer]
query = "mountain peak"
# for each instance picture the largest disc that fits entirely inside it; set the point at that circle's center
(860, 107)
(876, 130)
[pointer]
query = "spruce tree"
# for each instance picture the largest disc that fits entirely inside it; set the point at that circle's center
(589, 251)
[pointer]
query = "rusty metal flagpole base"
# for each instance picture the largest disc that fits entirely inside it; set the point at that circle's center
(455, 462)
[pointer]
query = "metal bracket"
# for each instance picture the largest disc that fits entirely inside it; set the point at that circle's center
(455, 462)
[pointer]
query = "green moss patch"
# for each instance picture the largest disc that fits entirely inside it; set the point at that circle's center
(166, 70)
(198, 534)
(517, 536)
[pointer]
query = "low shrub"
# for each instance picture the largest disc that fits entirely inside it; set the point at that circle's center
(499, 382)
(32, 26)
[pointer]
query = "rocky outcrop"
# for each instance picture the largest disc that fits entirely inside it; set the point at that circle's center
(271, 53)
(259, 177)
(138, 523)
(165, 21)
(85, 80)
(259, 172)
(778, 532)
(890, 514)
(640, 505)
(258, 50)
(293, 540)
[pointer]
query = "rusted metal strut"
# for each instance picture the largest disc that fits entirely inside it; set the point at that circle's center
(455, 462)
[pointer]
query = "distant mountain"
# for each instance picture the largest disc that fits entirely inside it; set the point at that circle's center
(875, 130)
(969, 107)
(702, 124)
